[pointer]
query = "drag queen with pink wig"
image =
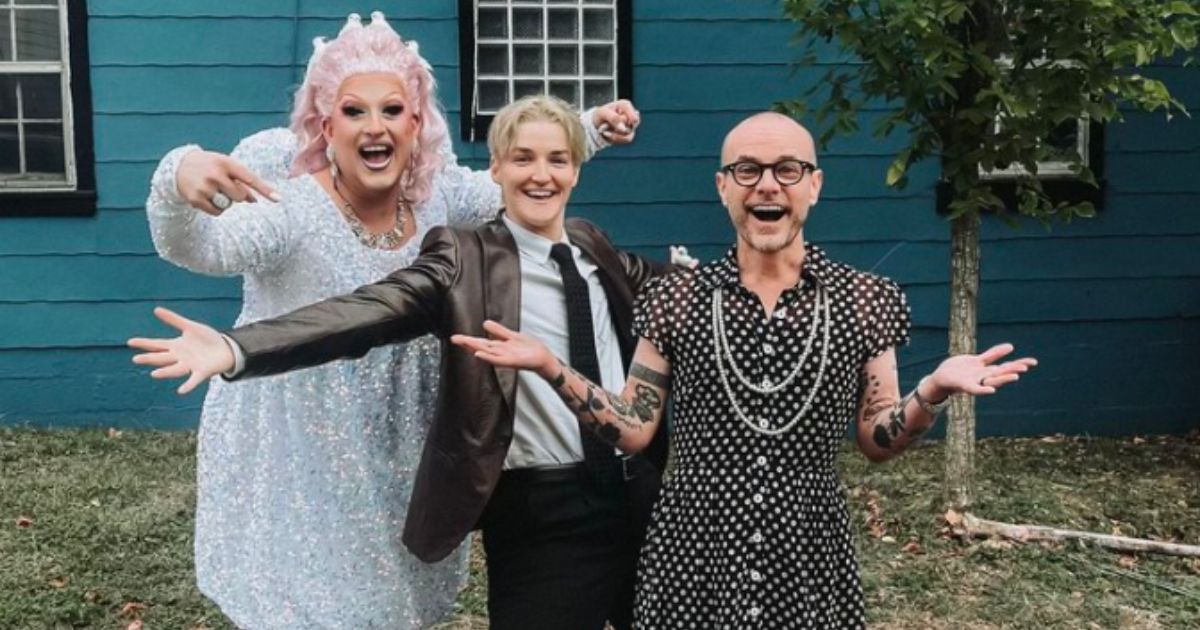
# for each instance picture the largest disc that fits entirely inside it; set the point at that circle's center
(303, 479)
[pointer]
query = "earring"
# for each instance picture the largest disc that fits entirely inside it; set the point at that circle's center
(330, 155)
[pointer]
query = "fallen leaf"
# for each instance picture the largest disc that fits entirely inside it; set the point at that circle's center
(911, 546)
(131, 609)
(1128, 563)
(94, 502)
(58, 582)
(136, 624)
(24, 521)
(953, 518)
(997, 543)
(888, 539)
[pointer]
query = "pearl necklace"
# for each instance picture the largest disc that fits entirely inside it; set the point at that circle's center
(391, 239)
(721, 354)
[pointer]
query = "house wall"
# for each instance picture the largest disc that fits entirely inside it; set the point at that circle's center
(1111, 306)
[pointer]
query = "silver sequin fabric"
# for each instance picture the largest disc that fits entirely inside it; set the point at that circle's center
(303, 479)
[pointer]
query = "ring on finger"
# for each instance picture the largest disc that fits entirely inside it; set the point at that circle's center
(221, 201)
(981, 380)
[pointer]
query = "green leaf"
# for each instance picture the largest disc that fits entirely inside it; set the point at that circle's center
(898, 169)
(1143, 55)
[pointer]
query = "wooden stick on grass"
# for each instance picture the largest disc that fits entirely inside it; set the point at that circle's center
(983, 528)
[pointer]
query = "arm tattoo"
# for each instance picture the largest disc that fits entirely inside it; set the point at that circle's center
(589, 407)
(886, 432)
(657, 379)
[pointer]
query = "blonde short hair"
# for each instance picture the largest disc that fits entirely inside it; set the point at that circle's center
(539, 107)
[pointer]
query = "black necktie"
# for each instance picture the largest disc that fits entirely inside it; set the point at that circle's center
(600, 459)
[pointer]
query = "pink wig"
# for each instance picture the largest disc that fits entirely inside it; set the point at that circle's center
(361, 49)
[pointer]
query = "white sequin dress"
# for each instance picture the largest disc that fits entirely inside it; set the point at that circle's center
(303, 479)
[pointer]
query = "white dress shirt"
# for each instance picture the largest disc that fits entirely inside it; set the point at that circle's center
(545, 431)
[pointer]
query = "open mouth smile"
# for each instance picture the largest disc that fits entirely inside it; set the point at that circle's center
(376, 156)
(767, 214)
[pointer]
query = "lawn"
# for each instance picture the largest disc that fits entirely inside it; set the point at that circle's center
(95, 532)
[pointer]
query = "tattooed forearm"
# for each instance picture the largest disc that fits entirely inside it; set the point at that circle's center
(646, 402)
(591, 406)
(890, 427)
(643, 373)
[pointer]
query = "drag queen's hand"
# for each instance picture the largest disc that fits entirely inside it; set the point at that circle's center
(508, 348)
(199, 352)
(203, 174)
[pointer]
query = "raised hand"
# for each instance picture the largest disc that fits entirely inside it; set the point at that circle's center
(211, 182)
(199, 352)
(979, 374)
(617, 121)
(508, 348)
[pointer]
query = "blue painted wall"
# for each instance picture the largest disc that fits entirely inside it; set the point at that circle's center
(1111, 306)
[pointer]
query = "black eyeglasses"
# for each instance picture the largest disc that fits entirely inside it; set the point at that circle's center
(786, 172)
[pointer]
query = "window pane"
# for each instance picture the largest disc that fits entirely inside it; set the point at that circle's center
(598, 60)
(527, 60)
(41, 95)
(44, 149)
(493, 22)
(564, 23)
(1064, 142)
(10, 151)
(598, 24)
(492, 95)
(493, 59)
(37, 35)
(6, 51)
(566, 90)
(527, 23)
(562, 1)
(608, 2)
(597, 93)
(8, 96)
(526, 88)
(564, 60)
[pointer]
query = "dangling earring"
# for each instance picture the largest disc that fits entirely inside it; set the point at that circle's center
(330, 155)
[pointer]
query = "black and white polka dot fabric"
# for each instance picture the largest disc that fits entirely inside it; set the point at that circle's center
(751, 530)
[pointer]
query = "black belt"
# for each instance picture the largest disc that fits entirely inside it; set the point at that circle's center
(559, 473)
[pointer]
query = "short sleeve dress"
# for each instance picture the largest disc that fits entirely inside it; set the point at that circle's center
(751, 530)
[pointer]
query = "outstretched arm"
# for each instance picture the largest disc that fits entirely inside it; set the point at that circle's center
(627, 421)
(889, 423)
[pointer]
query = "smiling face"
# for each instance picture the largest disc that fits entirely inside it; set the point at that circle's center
(767, 216)
(371, 130)
(536, 173)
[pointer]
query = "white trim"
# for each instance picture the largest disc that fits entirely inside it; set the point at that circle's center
(1050, 169)
(23, 181)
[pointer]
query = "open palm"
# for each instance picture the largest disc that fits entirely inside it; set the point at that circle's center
(199, 352)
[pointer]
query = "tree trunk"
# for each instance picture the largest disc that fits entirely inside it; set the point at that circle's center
(964, 293)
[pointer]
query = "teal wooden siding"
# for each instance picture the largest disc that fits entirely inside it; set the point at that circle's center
(1111, 306)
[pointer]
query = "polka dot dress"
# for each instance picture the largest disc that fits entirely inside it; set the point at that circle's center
(751, 530)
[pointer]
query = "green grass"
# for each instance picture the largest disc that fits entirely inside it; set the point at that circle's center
(92, 523)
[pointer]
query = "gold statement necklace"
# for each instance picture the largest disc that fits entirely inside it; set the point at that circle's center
(391, 239)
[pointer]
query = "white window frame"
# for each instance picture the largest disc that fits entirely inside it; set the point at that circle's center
(22, 183)
(581, 42)
(1049, 169)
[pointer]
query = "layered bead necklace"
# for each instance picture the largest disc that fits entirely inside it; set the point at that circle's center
(820, 318)
(391, 239)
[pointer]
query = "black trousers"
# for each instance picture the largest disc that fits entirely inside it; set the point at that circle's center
(562, 550)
